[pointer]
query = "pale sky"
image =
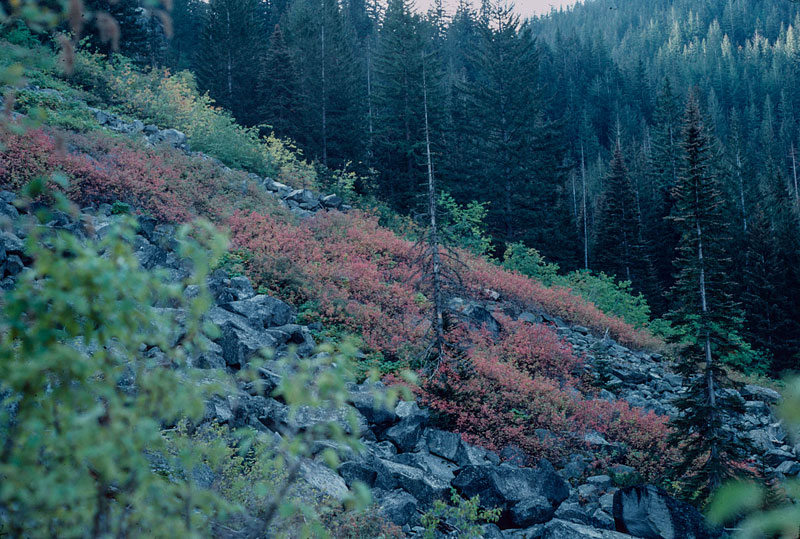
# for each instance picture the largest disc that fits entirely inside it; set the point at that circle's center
(526, 8)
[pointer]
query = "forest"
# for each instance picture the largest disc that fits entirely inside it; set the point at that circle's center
(565, 132)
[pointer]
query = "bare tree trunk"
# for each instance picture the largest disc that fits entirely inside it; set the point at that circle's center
(324, 93)
(369, 102)
(229, 65)
(741, 189)
(438, 322)
(585, 224)
(794, 173)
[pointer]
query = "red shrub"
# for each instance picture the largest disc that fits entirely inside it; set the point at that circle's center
(516, 388)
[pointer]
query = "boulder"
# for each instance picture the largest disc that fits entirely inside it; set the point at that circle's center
(260, 311)
(239, 341)
(764, 394)
(649, 512)
(331, 201)
(398, 506)
(561, 529)
(442, 443)
(417, 482)
(304, 198)
(514, 491)
(323, 479)
(406, 433)
(366, 401)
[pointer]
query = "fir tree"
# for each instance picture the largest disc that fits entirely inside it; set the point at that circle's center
(229, 47)
(322, 43)
(705, 310)
(279, 89)
(618, 248)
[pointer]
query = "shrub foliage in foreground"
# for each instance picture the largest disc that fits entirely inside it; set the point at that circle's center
(101, 430)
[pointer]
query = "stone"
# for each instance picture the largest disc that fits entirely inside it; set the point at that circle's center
(790, 468)
(472, 455)
(754, 392)
(304, 198)
(433, 465)
(506, 486)
(331, 201)
(530, 318)
(417, 482)
(561, 529)
(602, 482)
(242, 288)
(514, 455)
(442, 443)
(649, 512)
(398, 506)
(358, 471)
(323, 479)
(261, 311)
(237, 338)
(365, 400)
(406, 433)
(775, 457)
(173, 137)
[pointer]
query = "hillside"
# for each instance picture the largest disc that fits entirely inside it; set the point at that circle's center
(154, 248)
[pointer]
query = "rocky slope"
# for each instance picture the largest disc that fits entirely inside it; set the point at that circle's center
(408, 462)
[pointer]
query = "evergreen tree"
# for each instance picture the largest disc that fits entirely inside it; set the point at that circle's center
(506, 107)
(398, 93)
(618, 248)
(703, 307)
(230, 45)
(126, 28)
(280, 93)
(322, 43)
(187, 16)
(665, 166)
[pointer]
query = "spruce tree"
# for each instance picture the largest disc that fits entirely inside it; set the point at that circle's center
(704, 309)
(229, 48)
(279, 90)
(398, 91)
(322, 43)
(618, 248)
(505, 106)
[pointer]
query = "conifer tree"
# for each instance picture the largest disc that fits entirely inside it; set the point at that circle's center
(280, 93)
(398, 91)
(229, 48)
(505, 105)
(703, 307)
(322, 43)
(618, 248)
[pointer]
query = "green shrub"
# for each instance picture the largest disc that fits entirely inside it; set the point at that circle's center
(464, 515)
(120, 208)
(463, 226)
(74, 330)
(173, 100)
(610, 296)
(528, 261)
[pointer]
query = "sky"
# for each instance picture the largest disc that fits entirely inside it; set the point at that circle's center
(526, 8)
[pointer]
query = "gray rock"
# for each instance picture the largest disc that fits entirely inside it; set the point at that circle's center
(331, 201)
(366, 399)
(420, 484)
(260, 311)
(561, 529)
(470, 455)
(753, 392)
(398, 506)
(775, 457)
(442, 443)
(406, 434)
(506, 486)
(237, 338)
(324, 479)
(602, 482)
(650, 513)
(790, 468)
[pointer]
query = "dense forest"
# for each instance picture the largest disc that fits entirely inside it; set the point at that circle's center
(568, 128)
